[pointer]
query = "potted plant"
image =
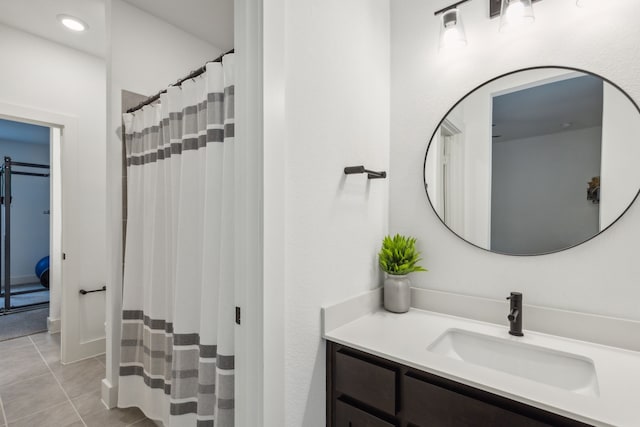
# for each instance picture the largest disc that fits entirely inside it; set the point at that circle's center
(398, 257)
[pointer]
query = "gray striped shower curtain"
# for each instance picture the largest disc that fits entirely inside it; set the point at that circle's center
(177, 353)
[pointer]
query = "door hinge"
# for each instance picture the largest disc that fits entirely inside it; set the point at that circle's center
(238, 315)
(64, 256)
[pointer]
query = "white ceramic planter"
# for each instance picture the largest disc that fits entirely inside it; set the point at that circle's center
(397, 293)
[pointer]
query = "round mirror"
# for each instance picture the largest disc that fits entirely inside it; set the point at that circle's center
(535, 161)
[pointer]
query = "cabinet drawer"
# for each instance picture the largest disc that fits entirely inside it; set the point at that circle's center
(350, 416)
(370, 384)
(430, 405)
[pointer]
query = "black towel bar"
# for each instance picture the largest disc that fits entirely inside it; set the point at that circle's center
(83, 292)
(361, 169)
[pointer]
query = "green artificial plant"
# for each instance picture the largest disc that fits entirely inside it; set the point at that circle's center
(399, 256)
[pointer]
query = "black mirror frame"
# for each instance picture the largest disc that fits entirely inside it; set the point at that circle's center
(424, 166)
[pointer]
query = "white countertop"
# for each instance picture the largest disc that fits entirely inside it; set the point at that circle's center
(404, 338)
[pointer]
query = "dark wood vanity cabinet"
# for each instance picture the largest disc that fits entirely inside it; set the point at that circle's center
(367, 391)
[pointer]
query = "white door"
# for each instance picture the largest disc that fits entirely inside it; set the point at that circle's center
(82, 258)
(451, 177)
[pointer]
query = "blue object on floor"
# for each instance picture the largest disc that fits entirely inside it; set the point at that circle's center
(42, 271)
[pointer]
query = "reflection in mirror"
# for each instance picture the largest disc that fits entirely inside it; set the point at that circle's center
(535, 161)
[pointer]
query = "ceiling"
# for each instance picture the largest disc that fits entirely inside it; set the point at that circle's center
(209, 20)
(39, 17)
(23, 132)
(570, 104)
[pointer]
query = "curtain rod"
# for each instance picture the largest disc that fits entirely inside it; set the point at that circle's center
(191, 75)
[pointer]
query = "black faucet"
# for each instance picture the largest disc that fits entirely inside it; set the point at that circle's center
(515, 314)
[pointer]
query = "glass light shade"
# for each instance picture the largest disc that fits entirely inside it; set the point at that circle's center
(452, 33)
(515, 13)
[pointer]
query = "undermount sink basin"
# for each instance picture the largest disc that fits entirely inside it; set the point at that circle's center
(555, 368)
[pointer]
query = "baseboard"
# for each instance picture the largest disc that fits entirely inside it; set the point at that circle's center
(88, 350)
(53, 325)
(109, 394)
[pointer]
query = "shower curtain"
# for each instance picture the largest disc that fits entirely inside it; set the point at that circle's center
(177, 351)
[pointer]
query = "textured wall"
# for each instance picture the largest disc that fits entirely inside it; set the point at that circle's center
(336, 106)
(599, 276)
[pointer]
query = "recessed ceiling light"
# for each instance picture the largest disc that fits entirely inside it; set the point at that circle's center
(73, 23)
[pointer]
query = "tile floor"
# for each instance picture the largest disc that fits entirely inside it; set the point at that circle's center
(37, 390)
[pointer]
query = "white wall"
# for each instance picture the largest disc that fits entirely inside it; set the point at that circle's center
(620, 178)
(538, 198)
(43, 75)
(333, 94)
(29, 224)
(145, 56)
(599, 276)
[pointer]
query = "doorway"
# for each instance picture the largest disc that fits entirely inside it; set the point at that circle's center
(24, 216)
(28, 216)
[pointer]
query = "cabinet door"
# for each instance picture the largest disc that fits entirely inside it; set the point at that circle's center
(429, 405)
(366, 382)
(350, 416)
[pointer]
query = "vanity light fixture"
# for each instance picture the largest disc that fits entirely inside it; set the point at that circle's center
(452, 33)
(72, 23)
(515, 13)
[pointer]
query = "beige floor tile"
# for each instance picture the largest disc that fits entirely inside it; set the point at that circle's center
(62, 415)
(102, 359)
(14, 343)
(89, 403)
(113, 417)
(2, 416)
(146, 423)
(80, 377)
(21, 363)
(26, 397)
(46, 341)
(94, 413)
(51, 356)
(48, 345)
